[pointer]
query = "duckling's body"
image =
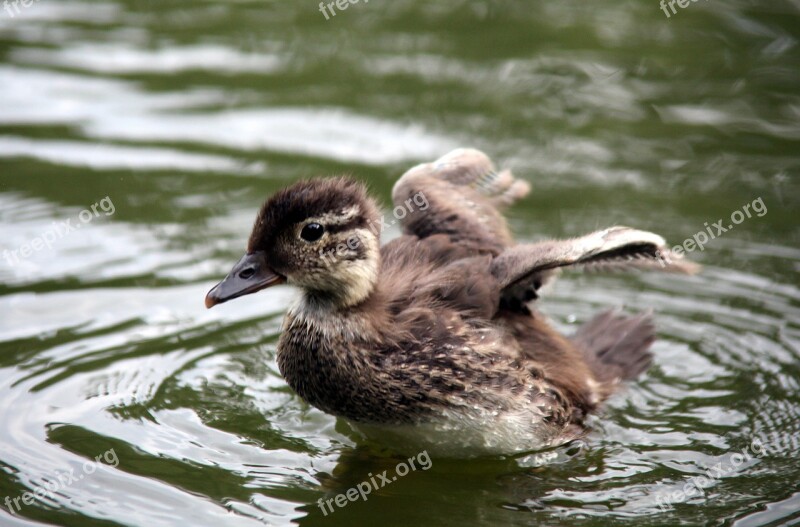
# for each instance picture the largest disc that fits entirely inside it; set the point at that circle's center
(432, 338)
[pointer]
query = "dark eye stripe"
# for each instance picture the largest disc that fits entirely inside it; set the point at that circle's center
(355, 223)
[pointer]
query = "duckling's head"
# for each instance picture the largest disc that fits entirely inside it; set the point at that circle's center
(320, 235)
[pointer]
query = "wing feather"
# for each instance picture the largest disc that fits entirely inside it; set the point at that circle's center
(465, 195)
(619, 248)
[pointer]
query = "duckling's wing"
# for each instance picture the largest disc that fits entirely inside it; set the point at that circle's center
(617, 248)
(459, 195)
(434, 272)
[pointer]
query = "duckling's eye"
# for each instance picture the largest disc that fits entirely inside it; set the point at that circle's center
(312, 232)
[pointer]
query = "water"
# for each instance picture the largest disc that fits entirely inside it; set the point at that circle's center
(176, 119)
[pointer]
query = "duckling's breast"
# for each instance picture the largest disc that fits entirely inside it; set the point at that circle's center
(331, 364)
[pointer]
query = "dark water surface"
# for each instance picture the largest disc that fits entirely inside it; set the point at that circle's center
(176, 119)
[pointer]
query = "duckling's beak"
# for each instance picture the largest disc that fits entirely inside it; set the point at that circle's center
(249, 275)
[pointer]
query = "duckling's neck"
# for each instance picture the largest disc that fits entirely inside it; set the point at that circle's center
(336, 300)
(329, 319)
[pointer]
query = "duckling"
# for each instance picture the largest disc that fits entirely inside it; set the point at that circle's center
(433, 339)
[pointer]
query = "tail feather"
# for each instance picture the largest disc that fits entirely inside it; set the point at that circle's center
(617, 347)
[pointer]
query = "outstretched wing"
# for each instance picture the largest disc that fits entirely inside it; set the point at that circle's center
(460, 195)
(617, 248)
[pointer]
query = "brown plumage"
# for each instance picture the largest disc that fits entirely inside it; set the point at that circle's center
(432, 338)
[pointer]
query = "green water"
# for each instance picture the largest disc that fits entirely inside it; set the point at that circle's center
(176, 119)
